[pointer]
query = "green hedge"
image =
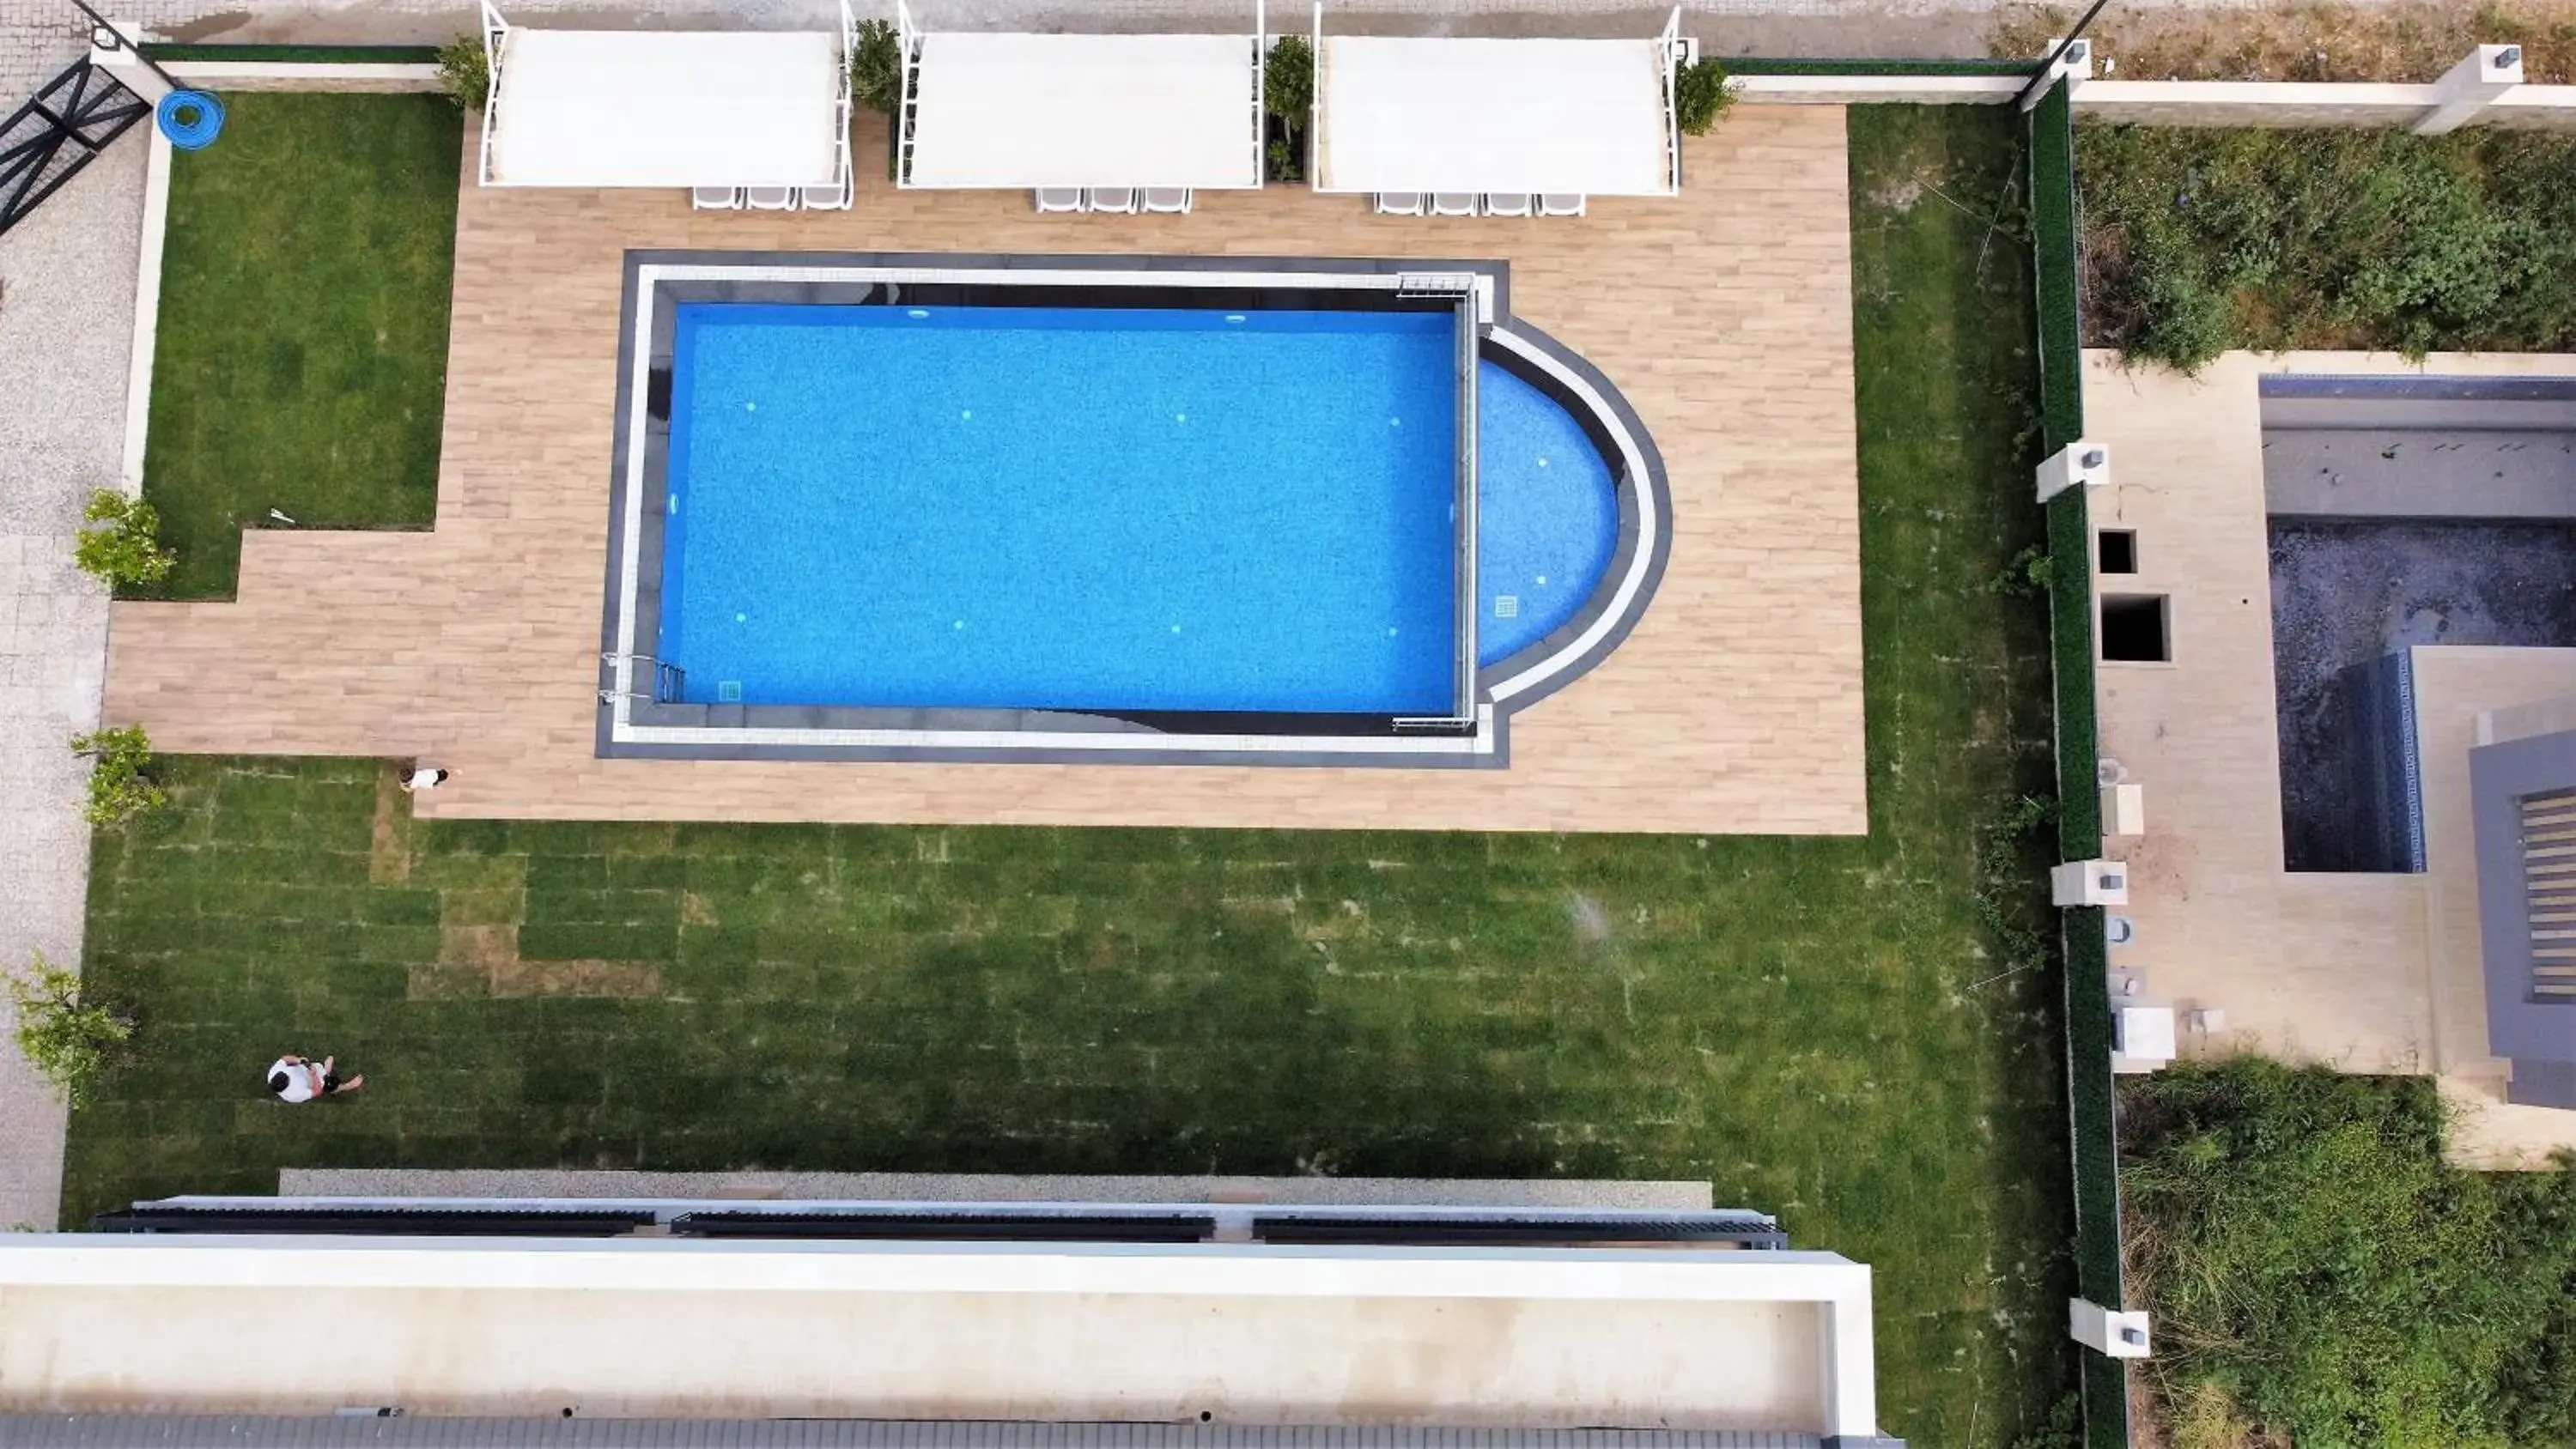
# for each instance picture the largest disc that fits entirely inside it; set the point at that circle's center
(295, 54)
(2092, 1123)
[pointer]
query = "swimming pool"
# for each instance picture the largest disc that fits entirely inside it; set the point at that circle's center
(1186, 509)
(1115, 510)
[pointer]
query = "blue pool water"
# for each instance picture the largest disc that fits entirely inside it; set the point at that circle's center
(1071, 509)
(1547, 515)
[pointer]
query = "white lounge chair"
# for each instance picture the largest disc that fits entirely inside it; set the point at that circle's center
(1399, 203)
(1114, 200)
(1507, 203)
(769, 198)
(1453, 203)
(715, 198)
(1169, 200)
(1560, 203)
(1060, 198)
(835, 197)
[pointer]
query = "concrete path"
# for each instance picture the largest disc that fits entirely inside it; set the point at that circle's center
(66, 324)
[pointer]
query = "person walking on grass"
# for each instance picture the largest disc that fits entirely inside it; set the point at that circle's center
(293, 1079)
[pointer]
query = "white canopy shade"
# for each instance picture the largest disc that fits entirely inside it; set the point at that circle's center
(1586, 116)
(1085, 110)
(666, 108)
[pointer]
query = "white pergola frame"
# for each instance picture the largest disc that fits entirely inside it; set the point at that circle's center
(496, 30)
(909, 36)
(1675, 48)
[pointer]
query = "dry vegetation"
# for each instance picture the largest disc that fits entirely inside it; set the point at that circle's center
(2412, 40)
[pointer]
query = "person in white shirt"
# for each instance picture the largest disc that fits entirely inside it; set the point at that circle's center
(293, 1079)
(422, 775)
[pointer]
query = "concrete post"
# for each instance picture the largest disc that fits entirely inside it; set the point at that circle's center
(2472, 86)
(2107, 1331)
(2089, 883)
(113, 49)
(2079, 464)
(2075, 67)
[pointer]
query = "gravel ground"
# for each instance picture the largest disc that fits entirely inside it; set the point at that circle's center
(2347, 592)
(66, 324)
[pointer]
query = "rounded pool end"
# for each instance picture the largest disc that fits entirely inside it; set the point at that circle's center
(190, 119)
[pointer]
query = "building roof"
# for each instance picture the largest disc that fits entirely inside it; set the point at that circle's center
(1085, 110)
(665, 108)
(1253, 1333)
(1454, 114)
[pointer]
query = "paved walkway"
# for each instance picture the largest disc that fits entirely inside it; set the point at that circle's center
(66, 323)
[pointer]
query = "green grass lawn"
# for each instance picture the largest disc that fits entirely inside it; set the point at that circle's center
(301, 361)
(1833, 1030)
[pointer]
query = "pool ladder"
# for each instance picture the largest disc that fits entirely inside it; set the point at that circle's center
(668, 679)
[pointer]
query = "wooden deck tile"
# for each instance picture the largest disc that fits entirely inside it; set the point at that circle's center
(1724, 315)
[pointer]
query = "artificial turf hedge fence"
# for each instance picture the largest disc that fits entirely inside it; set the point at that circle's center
(2092, 1125)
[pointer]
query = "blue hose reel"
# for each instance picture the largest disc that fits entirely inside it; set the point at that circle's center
(191, 119)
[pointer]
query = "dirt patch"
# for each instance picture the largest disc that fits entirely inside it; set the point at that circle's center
(388, 849)
(487, 948)
(577, 978)
(2412, 40)
(696, 910)
(484, 960)
(1899, 198)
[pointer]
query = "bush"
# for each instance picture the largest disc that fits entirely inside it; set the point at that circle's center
(876, 67)
(126, 546)
(119, 790)
(2198, 241)
(465, 72)
(2320, 1276)
(1288, 99)
(72, 1043)
(1288, 80)
(1701, 95)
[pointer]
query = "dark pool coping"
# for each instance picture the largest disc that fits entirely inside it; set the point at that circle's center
(1483, 716)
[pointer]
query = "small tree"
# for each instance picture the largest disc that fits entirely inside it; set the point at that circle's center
(465, 72)
(70, 1041)
(876, 67)
(125, 546)
(1701, 95)
(1288, 97)
(119, 790)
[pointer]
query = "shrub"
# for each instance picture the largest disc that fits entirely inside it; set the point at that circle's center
(126, 546)
(1288, 80)
(465, 72)
(1288, 99)
(1701, 95)
(119, 790)
(2197, 241)
(876, 67)
(2320, 1276)
(71, 1042)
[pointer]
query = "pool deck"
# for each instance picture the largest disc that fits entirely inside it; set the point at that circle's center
(1724, 316)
